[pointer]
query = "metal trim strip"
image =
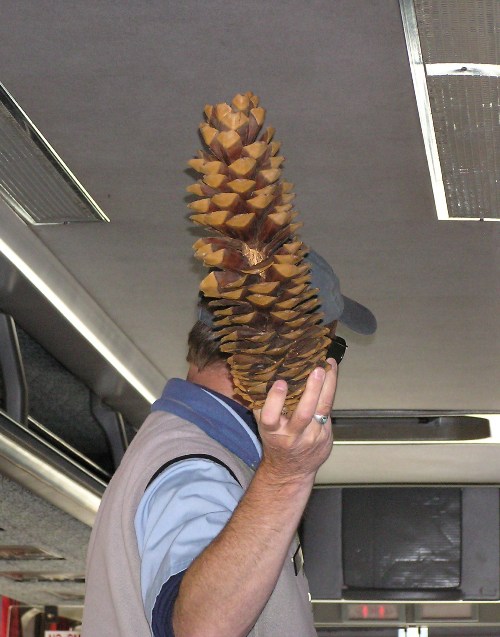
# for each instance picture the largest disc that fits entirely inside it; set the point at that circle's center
(467, 68)
(417, 68)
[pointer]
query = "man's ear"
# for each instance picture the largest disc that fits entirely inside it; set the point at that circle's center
(333, 328)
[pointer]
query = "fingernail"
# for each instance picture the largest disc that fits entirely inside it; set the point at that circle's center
(332, 362)
(319, 373)
(280, 385)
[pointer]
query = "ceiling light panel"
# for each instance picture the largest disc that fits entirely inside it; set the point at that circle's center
(459, 30)
(34, 181)
(465, 113)
(454, 51)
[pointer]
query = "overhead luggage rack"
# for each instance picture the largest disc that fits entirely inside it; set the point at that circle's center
(408, 426)
(377, 447)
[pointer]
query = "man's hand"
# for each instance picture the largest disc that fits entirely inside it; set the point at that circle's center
(295, 447)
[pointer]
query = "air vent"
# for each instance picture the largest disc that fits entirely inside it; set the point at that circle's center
(67, 596)
(20, 552)
(34, 181)
(42, 576)
(455, 62)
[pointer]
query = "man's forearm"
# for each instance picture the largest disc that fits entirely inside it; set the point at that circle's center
(225, 589)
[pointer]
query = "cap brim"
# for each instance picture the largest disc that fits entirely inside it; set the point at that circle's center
(357, 317)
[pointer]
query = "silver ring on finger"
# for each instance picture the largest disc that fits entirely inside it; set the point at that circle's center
(320, 419)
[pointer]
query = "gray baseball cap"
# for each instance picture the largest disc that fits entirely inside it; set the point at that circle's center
(334, 305)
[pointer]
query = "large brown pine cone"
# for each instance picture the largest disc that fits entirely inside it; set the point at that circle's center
(264, 308)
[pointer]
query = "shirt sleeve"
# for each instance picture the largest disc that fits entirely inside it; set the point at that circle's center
(162, 624)
(181, 512)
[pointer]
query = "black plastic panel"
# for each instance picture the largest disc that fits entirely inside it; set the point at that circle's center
(401, 538)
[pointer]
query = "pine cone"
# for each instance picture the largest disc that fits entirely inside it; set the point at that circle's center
(264, 308)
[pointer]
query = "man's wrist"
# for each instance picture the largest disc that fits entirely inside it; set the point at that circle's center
(284, 480)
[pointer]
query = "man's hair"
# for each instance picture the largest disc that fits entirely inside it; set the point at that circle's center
(203, 346)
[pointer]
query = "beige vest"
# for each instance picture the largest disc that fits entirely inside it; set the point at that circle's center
(113, 600)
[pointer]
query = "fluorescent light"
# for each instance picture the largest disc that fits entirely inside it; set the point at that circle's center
(457, 103)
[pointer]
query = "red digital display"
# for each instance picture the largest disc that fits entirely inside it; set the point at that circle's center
(372, 612)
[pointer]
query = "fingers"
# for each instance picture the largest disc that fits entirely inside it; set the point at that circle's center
(317, 397)
(270, 414)
(327, 394)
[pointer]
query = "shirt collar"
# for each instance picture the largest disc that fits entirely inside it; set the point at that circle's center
(243, 412)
